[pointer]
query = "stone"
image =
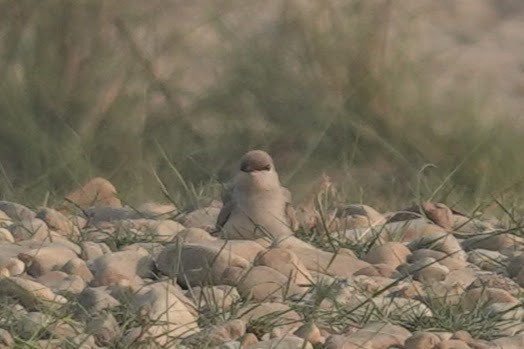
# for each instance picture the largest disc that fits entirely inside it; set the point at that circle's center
(246, 249)
(153, 230)
(6, 340)
(371, 336)
(428, 271)
(487, 260)
(124, 265)
(452, 344)
(516, 265)
(520, 278)
(11, 266)
(193, 236)
(97, 216)
(58, 222)
(200, 265)
(78, 267)
(492, 242)
(488, 279)
(92, 250)
(216, 335)
(311, 333)
(421, 340)
(96, 192)
(287, 342)
(448, 261)
(475, 297)
(16, 211)
(355, 216)
(286, 262)
(6, 236)
(30, 229)
(439, 241)
(214, 298)
(155, 210)
(168, 316)
(104, 328)
(93, 300)
(62, 283)
(511, 342)
(45, 259)
(328, 263)
(204, 218)
(29, 293)
(390, 253)
(438, 213)
(470, 225)
(263, 283)
(281, 317)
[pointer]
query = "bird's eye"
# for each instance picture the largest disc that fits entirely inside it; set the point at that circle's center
(267, 168)
(245, 168)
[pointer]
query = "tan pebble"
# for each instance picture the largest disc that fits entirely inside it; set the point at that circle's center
(452, 344)
(421, 340)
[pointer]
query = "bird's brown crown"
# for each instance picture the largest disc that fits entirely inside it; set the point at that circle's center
(256, 160)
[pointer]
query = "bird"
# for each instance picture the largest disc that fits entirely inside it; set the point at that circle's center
(257, 206)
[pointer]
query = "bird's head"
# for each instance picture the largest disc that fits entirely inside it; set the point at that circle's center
(257, 172)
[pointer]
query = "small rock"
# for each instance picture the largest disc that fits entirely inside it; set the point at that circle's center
(421, 340)
(452, 344)
(516, 265)
(200, 265)
(391, 253)
(287, 263)
(96, 299)
(438, 213)
(12, 266)
(62, 283)
(92, 250)
(485, 296)
(428, 271)
(447, 261)
(104, 328)
(6, 236)
(96, 192)
(216, 335)
(45, 259)
(267, 317)
(214, 298)
(329, 263)
(30, 229)
(58, 222)
(6, 340)
(124, 265)
(168, 316)
(203, 218)
(267, 284)
(155, 210)
(372, 335)
(193, 236)
(29, 293)
(287, 342)
(78, 267)
(491, 280)
(492, 242)
(311, 333)
(356, 216)
(440, 241)
(16, 211)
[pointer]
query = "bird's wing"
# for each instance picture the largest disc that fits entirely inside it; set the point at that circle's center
(290, 210)
(227, 208)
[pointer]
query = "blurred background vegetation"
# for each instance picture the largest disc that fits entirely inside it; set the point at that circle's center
(370, 92)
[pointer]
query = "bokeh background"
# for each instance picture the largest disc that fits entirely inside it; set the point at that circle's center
(396, 100)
